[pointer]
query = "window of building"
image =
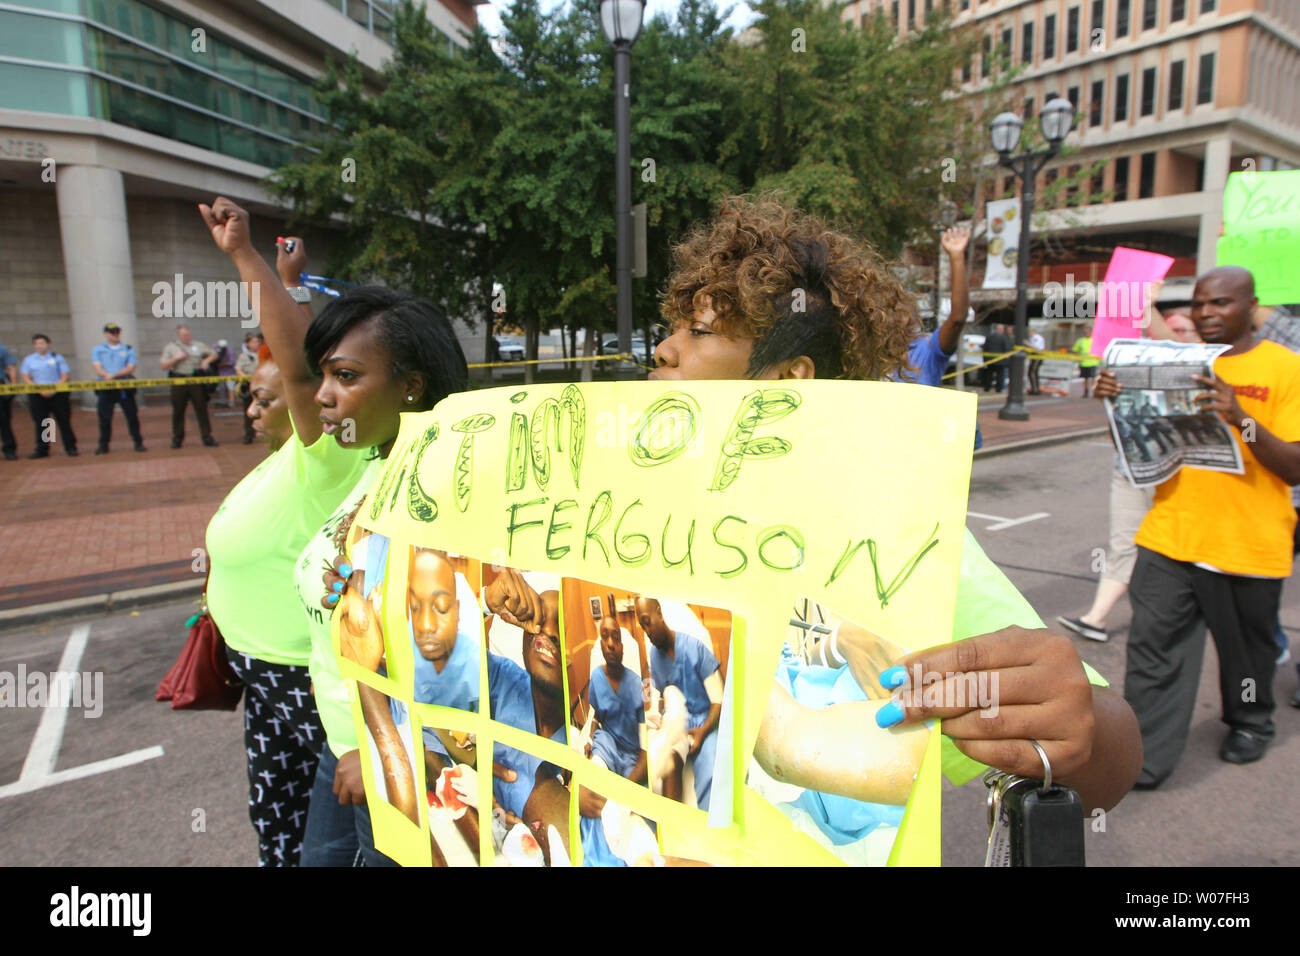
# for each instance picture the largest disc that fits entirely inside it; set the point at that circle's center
(1096, 102)
(1028, 109)
(893, 13)
(1072, 191)
(929, 8)
(1008, 185)
(911, 14)
(1027, 42)
(1205, 80)
(1049, 36)
(1147, 176)
(1207, 6)
(1121, 98)
(1148, 91)
(1176, 85)
(1098, 21)
(1072, 30)
(1121, 179)
(986, 50)
(1177, 10)
(965, 5)
(1097, 184)
(966, 71)
(1123, 14)
(1148, 14)
(1007, 40)
(1072, 94)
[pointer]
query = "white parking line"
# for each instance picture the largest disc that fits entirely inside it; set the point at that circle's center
(38, 769)
(1000, 522)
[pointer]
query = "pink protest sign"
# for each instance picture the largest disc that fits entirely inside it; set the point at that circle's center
(1122, 296)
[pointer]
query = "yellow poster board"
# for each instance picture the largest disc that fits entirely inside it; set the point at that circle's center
(621, 502)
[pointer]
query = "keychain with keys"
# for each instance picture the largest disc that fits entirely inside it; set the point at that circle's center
(1031, 822)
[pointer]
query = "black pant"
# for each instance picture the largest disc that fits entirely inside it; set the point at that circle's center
(7, 443)
(1173, 602)
(198, 396)
(282, 740)
(58, 408)
(1034, 366)
(105, 402)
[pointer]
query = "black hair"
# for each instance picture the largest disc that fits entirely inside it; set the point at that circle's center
(414, 332)
(806, 320)
(41, 335)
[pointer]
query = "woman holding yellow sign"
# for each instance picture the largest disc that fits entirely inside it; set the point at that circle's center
(348, 374)
(766, 292)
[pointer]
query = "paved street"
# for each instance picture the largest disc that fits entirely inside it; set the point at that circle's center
(1039, 514)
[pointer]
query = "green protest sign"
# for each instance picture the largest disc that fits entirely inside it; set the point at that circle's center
(1261, 222)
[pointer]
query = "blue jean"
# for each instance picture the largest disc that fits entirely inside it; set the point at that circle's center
(337, 835)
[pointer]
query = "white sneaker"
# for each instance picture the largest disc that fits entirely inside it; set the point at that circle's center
(1077, 625)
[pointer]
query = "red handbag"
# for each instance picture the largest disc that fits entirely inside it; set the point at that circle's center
(201, 678)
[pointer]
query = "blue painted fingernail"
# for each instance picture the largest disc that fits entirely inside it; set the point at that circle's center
(892, 677)
(337, 587)
(890, 714)
(331, 599)
(345, 570)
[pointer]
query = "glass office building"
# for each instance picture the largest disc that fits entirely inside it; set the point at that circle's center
(117, 116)
(133, 64)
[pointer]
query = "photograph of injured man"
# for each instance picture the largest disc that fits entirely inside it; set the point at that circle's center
(526, 691)
(686, 650)
(820, 757)
(445, 626)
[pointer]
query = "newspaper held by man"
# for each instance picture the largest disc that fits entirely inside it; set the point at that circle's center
(1156, 422)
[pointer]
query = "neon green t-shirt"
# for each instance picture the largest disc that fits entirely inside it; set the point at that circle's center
(255, 537)
(986, 601)
(1083, 346)
(320, 550)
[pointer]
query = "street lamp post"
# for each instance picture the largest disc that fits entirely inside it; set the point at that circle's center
(1056, 119)
(621, 21)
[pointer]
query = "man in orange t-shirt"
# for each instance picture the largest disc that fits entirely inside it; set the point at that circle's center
(1216, 547)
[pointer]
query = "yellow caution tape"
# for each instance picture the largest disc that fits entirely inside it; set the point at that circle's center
(1029, 353)
(121, 383)
(117, 384)
(553, 361)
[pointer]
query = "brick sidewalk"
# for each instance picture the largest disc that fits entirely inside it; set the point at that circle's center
(1049, 417)
(89, 525)
(93, 525)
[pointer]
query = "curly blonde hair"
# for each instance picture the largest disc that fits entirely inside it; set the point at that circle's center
(780, 277)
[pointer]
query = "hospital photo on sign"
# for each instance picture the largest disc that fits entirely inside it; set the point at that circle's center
(820, 757)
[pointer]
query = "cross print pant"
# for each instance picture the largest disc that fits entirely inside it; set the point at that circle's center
(282, 741)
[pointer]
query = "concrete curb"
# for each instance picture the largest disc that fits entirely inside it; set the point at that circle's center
(97, 603)
(1041, 441)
